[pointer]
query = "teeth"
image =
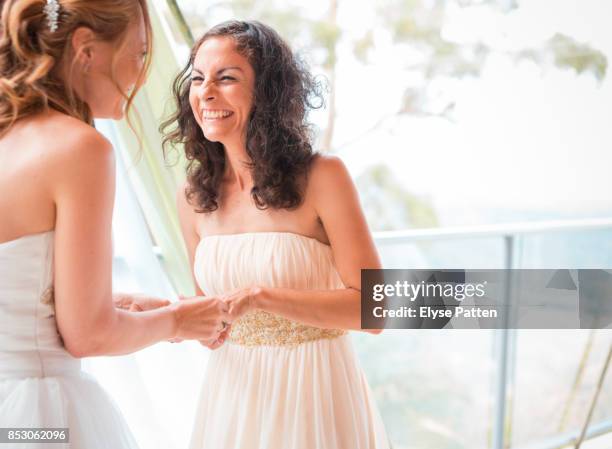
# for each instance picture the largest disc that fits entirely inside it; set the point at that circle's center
(215, 114)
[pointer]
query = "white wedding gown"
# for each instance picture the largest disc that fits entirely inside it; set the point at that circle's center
(41, 384)
(278, 384)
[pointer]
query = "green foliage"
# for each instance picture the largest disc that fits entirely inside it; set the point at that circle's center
(362, 46)
(287, 22)
(419, 24)
(564, 52)
(388, 205)
(326, 35)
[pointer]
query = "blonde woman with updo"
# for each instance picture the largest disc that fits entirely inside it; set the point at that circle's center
(62, 64)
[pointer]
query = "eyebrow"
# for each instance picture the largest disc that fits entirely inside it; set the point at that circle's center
(218, 71)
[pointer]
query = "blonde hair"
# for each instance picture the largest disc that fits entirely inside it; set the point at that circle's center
(30, 53)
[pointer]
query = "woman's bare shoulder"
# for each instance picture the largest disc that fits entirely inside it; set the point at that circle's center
(71, 146)
(69, 135)
(327, 171)
(74, 154)
(53, 134)
(53, 146)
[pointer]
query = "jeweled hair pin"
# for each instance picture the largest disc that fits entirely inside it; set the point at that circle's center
(52, 11)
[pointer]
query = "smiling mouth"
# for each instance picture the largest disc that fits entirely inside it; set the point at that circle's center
(216, 114)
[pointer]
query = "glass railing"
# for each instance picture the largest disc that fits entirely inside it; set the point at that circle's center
(492, 388)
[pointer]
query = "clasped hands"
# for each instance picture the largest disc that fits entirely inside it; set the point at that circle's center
(207, 319)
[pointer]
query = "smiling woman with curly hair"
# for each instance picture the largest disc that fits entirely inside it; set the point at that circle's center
(277, 135)
(277, 232)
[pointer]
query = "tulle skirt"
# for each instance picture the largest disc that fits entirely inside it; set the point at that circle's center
(311, 396)
(74, 401)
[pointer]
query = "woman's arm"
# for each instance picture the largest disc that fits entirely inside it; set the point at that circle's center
(84, 188)
(187, 218)
(137, 302)
(336, 202)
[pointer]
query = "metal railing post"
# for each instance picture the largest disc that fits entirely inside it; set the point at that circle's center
(500, 416)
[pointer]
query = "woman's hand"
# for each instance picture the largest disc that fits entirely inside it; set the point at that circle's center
(241, 301)
(215, 344)
(238, 303)
(138, 302)
(201, 318)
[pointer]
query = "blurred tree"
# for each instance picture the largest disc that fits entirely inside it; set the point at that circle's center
(388, 205)
(564, 52)
(420, 23)
(414, 24)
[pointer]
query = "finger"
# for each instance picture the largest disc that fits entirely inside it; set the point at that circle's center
(223, 327)
(225, 333)
(235, 311)
(135, 308)
(225, 314)
(217, 343)
(123, 303)
(224, 305)
(209, 342)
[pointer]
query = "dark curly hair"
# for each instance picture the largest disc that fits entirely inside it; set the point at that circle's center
(278, 139)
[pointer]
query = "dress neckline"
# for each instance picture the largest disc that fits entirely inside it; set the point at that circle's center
(256, 233)
(25, 237)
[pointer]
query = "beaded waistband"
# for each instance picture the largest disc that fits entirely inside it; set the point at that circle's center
(264, 329)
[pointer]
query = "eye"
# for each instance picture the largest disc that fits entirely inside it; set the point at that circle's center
(196, 79)
(228, 78)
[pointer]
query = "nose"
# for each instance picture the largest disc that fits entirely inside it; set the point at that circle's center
(207, 93)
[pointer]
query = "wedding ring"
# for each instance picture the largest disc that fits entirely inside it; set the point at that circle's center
(224, 326)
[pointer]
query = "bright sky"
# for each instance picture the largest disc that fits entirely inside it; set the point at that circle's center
(524, 138)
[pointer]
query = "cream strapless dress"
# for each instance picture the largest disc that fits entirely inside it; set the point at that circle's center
(278, 384)
(41, 384)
